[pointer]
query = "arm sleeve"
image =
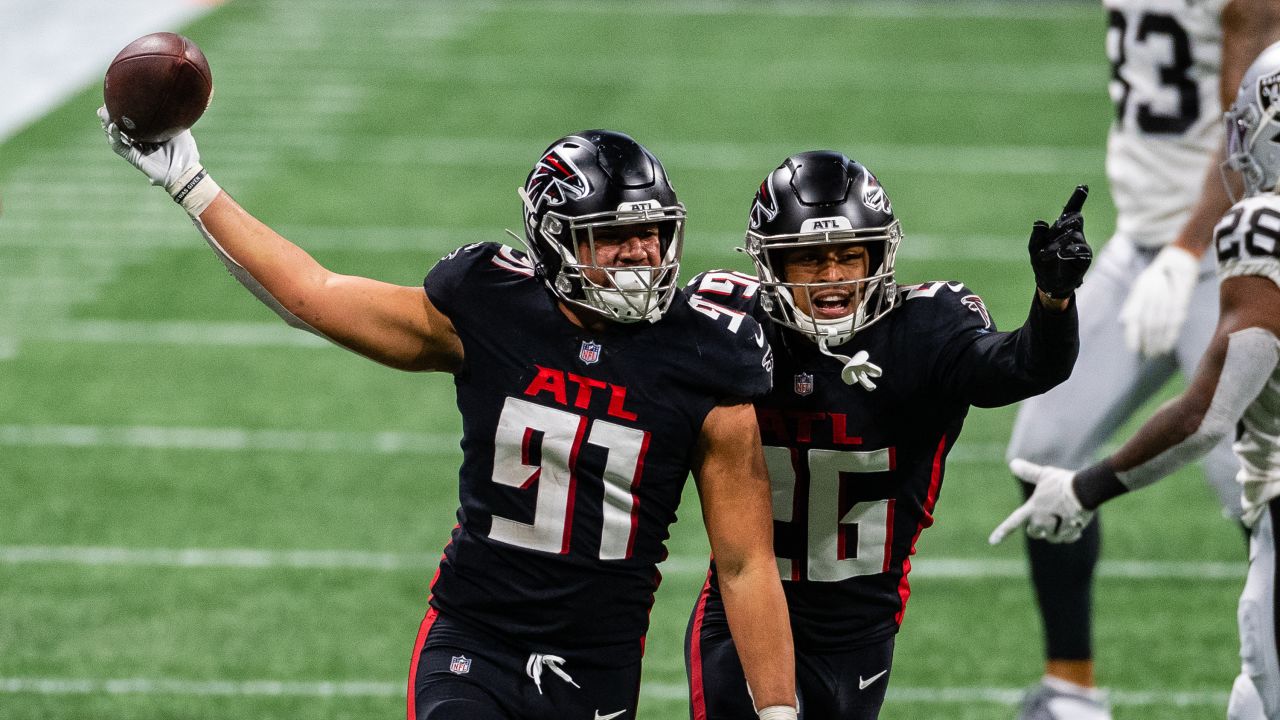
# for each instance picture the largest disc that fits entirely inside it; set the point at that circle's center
(1252, 355)
(251, 284)
(989, 369)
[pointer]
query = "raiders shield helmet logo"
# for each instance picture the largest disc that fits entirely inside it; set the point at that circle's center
(1268, 91)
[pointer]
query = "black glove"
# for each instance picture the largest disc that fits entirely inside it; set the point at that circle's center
(1059, 254)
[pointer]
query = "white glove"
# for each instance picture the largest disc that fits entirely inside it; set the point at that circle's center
(1157, 305)
(1053, 512)
(173, 165)
(859, 369)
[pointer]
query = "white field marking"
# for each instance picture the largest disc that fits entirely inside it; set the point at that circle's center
(265, 107)
(227, 439)
(9, 347)
(51, 49)
(291, 440)
(680, 565)
(130, 234)
(166, 332)
(886, 9)
(245, 151)
(651, 690)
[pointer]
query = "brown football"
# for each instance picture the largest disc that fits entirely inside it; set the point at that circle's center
(158, 86)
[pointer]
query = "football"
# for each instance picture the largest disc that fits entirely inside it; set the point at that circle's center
(157, 86)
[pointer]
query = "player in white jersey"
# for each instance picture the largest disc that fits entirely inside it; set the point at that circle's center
(1235, 393)
(1149, 305)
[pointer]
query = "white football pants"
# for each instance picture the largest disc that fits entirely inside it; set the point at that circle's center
(1256, 693)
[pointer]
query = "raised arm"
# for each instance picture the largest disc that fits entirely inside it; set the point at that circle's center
(1000, 368)
(738, 512)
(392, 324)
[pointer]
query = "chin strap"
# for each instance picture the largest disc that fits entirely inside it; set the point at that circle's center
(857, 369)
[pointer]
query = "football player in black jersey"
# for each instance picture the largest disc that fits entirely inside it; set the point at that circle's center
(872, 382)
(587, 395)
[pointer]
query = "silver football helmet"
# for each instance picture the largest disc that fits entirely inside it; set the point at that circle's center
(1253, 125)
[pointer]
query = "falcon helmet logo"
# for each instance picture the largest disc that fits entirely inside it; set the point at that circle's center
(555, 179)
(974, 303)
(874, 196)
(803, 384)
(460, 665)
(1268, 91)
(766, 207)
(589, 353)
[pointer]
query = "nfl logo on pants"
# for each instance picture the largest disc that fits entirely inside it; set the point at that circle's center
(460, 665)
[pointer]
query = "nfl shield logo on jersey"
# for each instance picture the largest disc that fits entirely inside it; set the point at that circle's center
(460, 665)
(589, 353)
(804, 384)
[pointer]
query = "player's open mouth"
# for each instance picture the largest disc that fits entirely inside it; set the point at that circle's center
(832, 304)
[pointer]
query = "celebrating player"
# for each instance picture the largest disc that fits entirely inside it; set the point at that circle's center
(871, 386)
(1175, 64)
(587, 395)
(1235, 393)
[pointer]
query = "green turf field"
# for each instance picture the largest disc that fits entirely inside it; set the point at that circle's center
(204, 514)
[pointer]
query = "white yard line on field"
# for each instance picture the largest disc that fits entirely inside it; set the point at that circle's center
(227, 439)
(650, 690)
(238, 439)
(680, 565)
(131, 234)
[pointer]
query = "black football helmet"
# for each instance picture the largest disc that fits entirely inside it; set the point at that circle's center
(820, 198)
(594, 179)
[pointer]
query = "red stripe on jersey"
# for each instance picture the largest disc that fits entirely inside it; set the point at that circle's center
(573, 485)
(931, 499)
(423, 629)
(427, 621)
(697, 695)
(635, 498)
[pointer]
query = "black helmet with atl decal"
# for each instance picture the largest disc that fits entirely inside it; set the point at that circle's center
(591, 180)
(823, 198)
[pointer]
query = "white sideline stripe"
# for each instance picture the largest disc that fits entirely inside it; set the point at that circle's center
(51, 49)
(682, 565)
(127, 235)
(239, 439)
(227, 439)
(395, 151)
(654, 690)
(164, 332)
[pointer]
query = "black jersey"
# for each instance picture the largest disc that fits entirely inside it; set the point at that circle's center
(576, 447)
(856, 474)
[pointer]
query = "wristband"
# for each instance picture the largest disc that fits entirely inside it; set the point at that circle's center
(777, 712)
(194, 190)
(1097, 484)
